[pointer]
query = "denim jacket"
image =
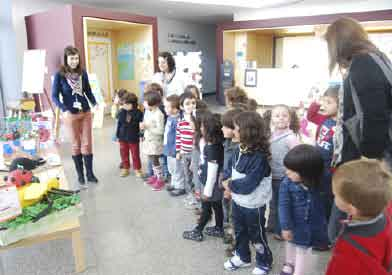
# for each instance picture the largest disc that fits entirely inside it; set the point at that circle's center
(302, 212)
(169, 140)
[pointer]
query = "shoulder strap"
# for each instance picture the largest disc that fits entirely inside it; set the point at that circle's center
(385, 65)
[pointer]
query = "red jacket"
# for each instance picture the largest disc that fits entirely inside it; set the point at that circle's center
(364, 249)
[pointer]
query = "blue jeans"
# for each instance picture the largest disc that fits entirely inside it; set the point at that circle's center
(249, 226)
(163, 161)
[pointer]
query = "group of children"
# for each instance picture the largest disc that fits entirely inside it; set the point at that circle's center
(238, 165)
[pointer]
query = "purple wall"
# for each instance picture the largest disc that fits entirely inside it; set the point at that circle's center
(51, 31)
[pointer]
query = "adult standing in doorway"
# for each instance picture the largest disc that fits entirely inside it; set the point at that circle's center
(171, 80)
(71, 82)
(350, 49)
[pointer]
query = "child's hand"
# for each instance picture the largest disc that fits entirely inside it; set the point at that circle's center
(287, 235)
(227, 195)
(225, 184)
(142, 126)
(178, 156)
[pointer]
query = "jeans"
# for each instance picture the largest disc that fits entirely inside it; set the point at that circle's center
(206, 213)
(79, 125)
(186, 162)
(273, 219)
(177, 172)
(195, 168)
(249, 226)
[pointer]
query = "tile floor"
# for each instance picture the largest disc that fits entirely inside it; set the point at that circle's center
(129, 229)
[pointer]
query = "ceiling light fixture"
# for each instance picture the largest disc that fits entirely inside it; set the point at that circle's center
(243, 4)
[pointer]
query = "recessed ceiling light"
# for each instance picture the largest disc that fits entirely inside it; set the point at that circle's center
(237, 3)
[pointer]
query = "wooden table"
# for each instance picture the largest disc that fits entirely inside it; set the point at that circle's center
(68, 230)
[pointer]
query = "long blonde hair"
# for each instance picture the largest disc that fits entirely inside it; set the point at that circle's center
(345, 38)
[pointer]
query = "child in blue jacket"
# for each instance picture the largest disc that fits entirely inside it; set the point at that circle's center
(251, 191)
(301, 210)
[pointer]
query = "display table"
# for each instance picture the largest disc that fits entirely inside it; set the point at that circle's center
(70, 229)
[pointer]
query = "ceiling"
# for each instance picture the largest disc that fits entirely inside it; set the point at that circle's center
(207, 14)
(113, 25)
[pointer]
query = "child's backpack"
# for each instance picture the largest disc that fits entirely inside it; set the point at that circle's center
(354, 125)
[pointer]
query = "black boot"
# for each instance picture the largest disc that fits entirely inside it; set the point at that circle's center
(88, 163)
(78, 161)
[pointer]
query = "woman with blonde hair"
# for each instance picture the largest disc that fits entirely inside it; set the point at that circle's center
(364, 85)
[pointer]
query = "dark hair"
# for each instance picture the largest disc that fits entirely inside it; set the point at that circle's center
(212, 128)
(154, 87)
(174, 101)
(120, 93)
(201, 105)
(294, 120)
(228, 117)
(171, 63)
(253, 132)
(333, 91)
(130, 98)
(267, 120)
(236, 95)
(186, 95)
(345, 38)
(189, 89)
(307, 161)
(153, 98)
(65, 68)
(199, 117)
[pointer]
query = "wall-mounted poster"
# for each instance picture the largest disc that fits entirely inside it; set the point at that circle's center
(250, 78)
(126, 61)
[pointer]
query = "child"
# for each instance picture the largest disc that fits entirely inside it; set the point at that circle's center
(117, 103)
(210, 169)
(236, 97)
(194, 90)
(184, 139)
(324, 116)
(284, 136)
(250, 187)
(363, 189)
(229, 145)
(128, 133)
(172, 108)
(153, 126)
(301, 212)
(158, 88)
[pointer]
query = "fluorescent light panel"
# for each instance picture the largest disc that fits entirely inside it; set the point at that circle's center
(237, 3)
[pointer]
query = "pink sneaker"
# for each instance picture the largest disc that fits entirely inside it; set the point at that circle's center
(151, 180)
(158, 185)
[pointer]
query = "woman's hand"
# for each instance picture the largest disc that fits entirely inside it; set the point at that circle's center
(178, 156)
(287, 235)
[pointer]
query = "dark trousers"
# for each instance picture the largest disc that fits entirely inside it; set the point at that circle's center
(125, 147)
(273, 219)
(206, 213)
(249, 226)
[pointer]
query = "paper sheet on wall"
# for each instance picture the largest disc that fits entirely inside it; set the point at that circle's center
(33, 71)
(126, 61)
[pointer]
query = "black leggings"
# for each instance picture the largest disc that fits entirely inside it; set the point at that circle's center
(206, 212)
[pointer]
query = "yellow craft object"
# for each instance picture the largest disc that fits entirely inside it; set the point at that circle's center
(32, 193)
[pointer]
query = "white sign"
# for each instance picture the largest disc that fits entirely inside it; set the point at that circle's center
(33, 71)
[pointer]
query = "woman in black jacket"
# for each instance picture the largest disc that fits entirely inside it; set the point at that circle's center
(350, 50)
(71, 82)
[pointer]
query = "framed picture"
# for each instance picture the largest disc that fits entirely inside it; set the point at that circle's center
(250, 78)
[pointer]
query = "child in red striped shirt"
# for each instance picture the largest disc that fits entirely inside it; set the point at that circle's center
(184, 136)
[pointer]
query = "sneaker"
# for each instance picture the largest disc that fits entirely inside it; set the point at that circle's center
(177, 192)
(235, 263)
(262, 270)
(124, 172)
(194, 235)
(214, 231)
(151, 180)
(158, 185)
(169, 188)
(139, 173)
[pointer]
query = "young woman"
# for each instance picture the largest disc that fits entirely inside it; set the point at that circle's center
(71, 82)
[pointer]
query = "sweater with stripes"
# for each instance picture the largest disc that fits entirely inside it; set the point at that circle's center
(184, 136)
